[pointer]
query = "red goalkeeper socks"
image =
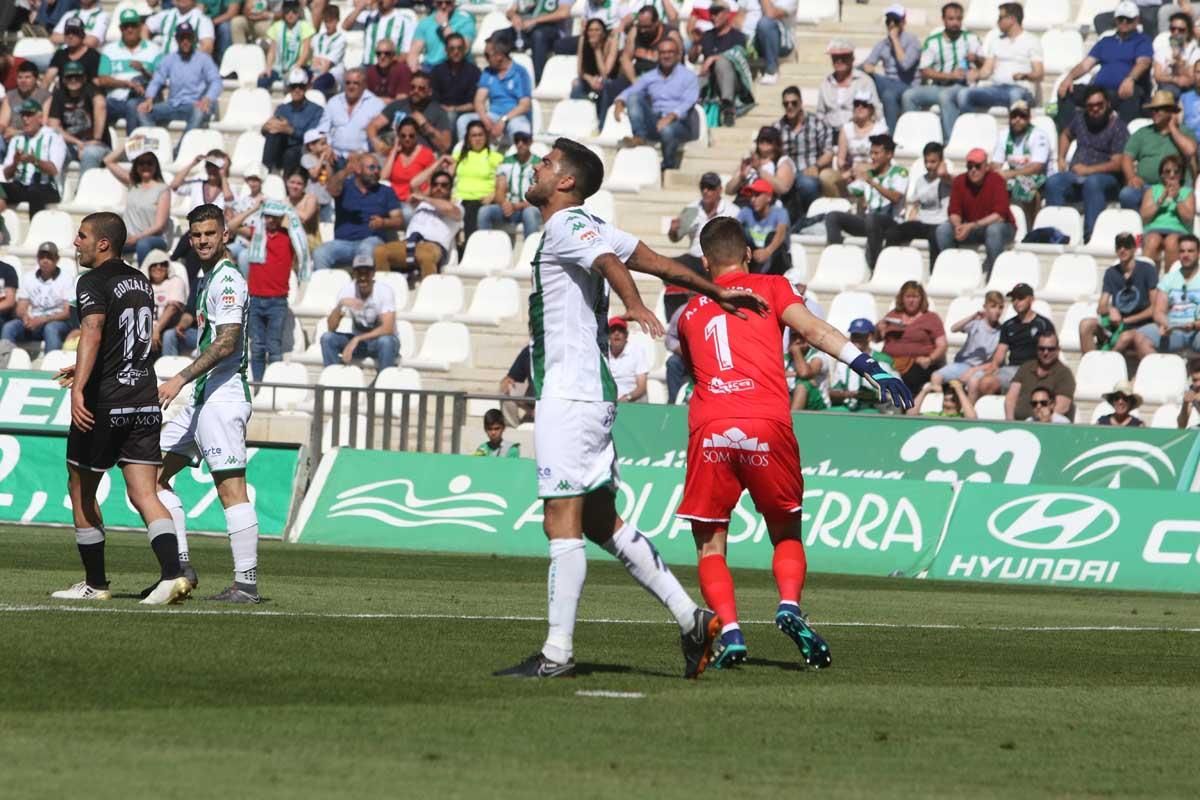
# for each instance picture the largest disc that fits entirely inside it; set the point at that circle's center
(716, 584)
(790, 566)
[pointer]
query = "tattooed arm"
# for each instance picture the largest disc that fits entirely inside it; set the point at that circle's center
(223, 345)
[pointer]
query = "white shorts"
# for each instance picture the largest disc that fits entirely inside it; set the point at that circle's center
(572, 440)
(214, 431)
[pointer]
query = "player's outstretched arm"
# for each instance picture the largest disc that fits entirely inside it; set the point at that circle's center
(825, 337)
(223, 345)
(618, 277)
(90, 329)
(731, 300)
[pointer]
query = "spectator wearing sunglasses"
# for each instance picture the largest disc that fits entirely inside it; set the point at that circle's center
(1177, 307)
(431, 231)
(1168, 211)
(1124, 60)
(979, 211)
(432, 37)
(1093, 175)
(836, 94)
(810, 143)
(389, 77)
(1042, 404)
(1146, 149)
(1189, 408)
(283, 133)
(1045, 373)
(1128, 296)
(1175, 56)
(1151, 15)
(453, 81)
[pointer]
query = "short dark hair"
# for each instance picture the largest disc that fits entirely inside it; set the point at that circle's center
(1013, 10)
(28, 66)
(584, 165)
(408, 122)
(1193, 366)
(501, 45)
(651, 10)
(107, 225)
(492, 417)
(1043, 388)
(455, 35)
(723, 241)
(331, 11)
(932, 148)
(441, 173)
(1095, 90)
(205, 212)
(425, 76)
(147, 158)
(794, 90)
(1190, 237)
(1187, 19)
(950, 6)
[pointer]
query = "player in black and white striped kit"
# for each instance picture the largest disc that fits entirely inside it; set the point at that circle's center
(115, 415)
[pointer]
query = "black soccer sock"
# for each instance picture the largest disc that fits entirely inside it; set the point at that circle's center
(166, 547)
(90, 542)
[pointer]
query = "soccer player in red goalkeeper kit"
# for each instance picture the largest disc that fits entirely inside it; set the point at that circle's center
(740, 433)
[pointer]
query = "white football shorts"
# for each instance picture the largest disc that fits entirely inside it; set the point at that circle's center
(214, 431)
(573, 442)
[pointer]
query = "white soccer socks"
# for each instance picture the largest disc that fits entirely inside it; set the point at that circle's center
(564, 585)
(175, 506)
(242, 523)
(646, 566)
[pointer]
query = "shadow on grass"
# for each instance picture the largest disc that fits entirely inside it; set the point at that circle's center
(583, 669)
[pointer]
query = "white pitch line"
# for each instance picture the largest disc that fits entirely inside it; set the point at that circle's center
(217, 612)
(609, 694)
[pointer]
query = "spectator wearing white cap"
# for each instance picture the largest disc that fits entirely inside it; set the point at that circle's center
(892, 62)
(43, 303)
(284, 133)
(290, 45)
(835, 97)
(170, 295)
(854, 138)
(372, 308)
(950, 61)
(1013, 63)
(148, 201)
(1124, 60)
(1150, 15)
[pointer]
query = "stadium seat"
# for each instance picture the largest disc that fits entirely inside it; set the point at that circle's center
(524, 266)
(159, 140)
(895, 266)
(1161, 378)
(247, 61)
(971, 131)
(990, 407)
(799, 271)
(273, 188)
(48, 225)
(282, 399)
(613, 131)
(1167, 416)
(1072, 277)
(494, 301)
(603, 205)
(814, 12)
(1068, 331)
(557, 76)
(1103, 408)
(398, 283)
(634, 169)
(849, 306)
(956, 272)
(1013, 267)
(19, 358)
(194, 143)
(98, 190)
(445, 345)
(247, 151)
(981, 14)
(1111, 222)
(321, 292)
(1097, 372)
(345, 376)
(1066, 219)
(1044, 16)
(932, 403)
(52, 361)
(1047, 125)
(656, 391)
(34, 48)
(822, 205)
(1088, 9)
(395, 378)
(915, 129)
(492, 22)
(487, 253)
(841, 266)
(960, 308)
(1137, 123)
(168, 366)
(1019, 218)
(246, 110)
(355, 46)
(13, 223)
(407, 335)
(438, 297)
(1062, 49)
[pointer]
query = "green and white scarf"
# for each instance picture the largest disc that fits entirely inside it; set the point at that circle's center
(295, 231)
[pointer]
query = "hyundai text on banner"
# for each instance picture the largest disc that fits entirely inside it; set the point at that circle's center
(1131, 539)
(935, 449)
(480, 505)
(33, 487)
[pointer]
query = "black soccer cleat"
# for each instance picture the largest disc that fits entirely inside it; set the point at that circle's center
(233, 594)
(698, 642)
(538, 666)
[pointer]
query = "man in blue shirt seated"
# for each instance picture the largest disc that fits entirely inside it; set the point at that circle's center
(366, 212)
(1124, 60)
(659, 104)
(504, 99)
(284, 133)
(766, 224)
(193, 83)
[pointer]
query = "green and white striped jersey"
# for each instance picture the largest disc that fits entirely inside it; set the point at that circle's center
(518, 175)
(46, 145)
(395, 25)
(537, 8)
(568, 309)
(223, 300)
(941, 53)
(895, 180)
(116, 62)
(165, 22)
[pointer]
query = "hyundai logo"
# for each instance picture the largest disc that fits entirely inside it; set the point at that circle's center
(1053, 521)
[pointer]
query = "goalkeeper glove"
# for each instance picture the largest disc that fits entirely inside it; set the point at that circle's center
(891, 389)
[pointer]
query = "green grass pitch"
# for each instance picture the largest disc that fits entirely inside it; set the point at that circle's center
(936, 690)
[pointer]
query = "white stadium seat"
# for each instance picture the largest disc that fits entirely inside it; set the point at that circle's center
(355, 45)
(841, 266)
(247, 151)
(1019, 218)
(575, 119)
(1066, 219)
(246, 110)
(932, 403)
(98, 190)
(273, 188)
(1044, 16)
(849, 306)
(1167, 416)
(1103, 408)
(557, 76)
(956, 272)
(13, 223)
(1072, 277)
(395, 378)
(282, 399)
(990, 406)
(1137, 123)
(799, 271)
(524, 266)
(54, 360)
(1111, 222)
(438, 297)
(445, 345)
(960, 308)
(1013, 267)
(1097, 372)
(613, 131)
(321, 292)
(1088, 9)
(492, 22)
(981, 15)
(634, 169)
(1062, 49)
(495, 300)
(48, 225)
(1068, 331)
(895, 266)
(34, 48)
(196, 142)
(603, 205)
(487, 253)
(19, 358)
(407, 335)
(816, 11)
(914, 130)
(344, 376)
(398, 283)
(247, 60)
(1161, 378)
(971, 131)
(822, 205)
(168, 367)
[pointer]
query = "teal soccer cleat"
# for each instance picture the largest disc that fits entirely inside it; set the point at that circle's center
(791, 621)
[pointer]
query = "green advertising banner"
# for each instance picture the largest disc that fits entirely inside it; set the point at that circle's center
(33, 487)
(1131, 539)
(888, 447)
(484, 505)
(33, 401)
